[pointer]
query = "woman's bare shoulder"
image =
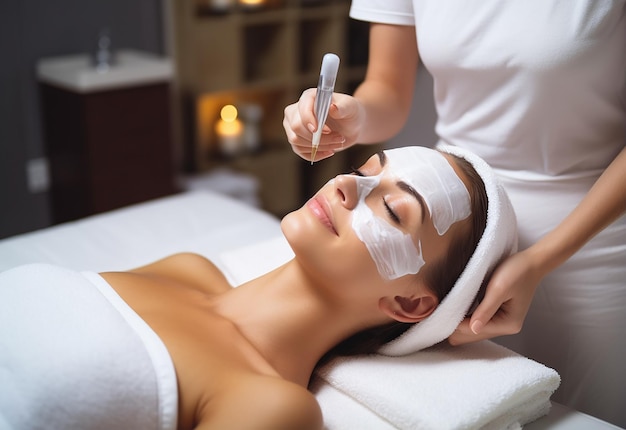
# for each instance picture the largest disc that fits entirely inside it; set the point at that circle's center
(188, 268)
(265, 402)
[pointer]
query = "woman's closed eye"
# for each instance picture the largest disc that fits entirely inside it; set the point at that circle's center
(355, 171)
(390, 212)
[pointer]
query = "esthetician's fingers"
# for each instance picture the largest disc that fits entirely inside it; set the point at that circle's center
(299, 124)
(330, 143)
(464, 334)
(295, 130)
(306, 110)
(501, 323)
(507, 299)
(346, 117)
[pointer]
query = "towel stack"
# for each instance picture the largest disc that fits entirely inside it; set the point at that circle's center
(476, 386)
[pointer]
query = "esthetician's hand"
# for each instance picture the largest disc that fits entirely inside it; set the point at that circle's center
(341, 130)
(507, 299)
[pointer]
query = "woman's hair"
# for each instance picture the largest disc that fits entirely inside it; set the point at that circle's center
(440, 276)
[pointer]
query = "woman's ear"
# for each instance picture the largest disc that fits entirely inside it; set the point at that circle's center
(409, 309)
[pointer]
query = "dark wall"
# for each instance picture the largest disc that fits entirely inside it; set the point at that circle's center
(34, 29)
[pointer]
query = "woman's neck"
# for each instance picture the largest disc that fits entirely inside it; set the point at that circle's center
(290, 320)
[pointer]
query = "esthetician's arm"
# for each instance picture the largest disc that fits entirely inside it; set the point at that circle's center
(379, 107)
(511, 289)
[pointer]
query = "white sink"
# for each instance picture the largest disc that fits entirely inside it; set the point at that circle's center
(78, 73)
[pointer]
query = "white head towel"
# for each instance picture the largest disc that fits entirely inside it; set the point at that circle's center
(498, 240)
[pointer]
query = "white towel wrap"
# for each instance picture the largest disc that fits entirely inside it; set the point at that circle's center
(74, 355)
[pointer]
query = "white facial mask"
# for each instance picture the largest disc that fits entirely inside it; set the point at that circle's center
(392, 250)
(445, 195)
(432, 176)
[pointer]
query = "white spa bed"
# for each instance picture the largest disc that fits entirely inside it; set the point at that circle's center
(225, 231)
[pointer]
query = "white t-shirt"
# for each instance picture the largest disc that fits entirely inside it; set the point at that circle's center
(537, 88)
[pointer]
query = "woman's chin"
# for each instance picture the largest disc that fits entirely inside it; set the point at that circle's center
(297, 230)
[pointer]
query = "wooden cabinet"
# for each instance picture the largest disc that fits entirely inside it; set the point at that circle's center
(107, 149)
(265, 56)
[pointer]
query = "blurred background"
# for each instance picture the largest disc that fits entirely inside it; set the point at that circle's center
(109, 103)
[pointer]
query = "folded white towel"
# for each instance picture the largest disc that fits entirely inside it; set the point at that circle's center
(477, 386)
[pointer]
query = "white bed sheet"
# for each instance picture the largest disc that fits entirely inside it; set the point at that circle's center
(211, 225)
(197, 221)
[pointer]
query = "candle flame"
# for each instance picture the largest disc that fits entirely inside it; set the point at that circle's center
(228, 113)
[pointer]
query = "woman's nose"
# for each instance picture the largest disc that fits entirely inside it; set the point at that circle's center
(346, 190)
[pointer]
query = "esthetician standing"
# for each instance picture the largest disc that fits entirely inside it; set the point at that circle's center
(538, 89)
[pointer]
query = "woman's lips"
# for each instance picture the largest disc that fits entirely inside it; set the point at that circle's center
(319, 207)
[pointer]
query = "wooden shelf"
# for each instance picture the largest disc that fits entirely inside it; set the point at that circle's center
(265, 56)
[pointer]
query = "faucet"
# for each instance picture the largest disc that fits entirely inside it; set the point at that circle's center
(104, 57)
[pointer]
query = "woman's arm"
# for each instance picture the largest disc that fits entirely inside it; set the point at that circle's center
(511, 289)
(379, 107)
(386, 93)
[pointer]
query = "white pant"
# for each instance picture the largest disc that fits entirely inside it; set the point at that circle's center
(577, 321)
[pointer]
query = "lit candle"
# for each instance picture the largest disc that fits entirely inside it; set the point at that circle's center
(251, 4)
(229, 130)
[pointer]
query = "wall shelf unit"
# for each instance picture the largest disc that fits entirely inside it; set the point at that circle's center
(263, 55)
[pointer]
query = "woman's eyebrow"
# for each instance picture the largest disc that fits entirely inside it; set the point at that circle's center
(409, 189)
